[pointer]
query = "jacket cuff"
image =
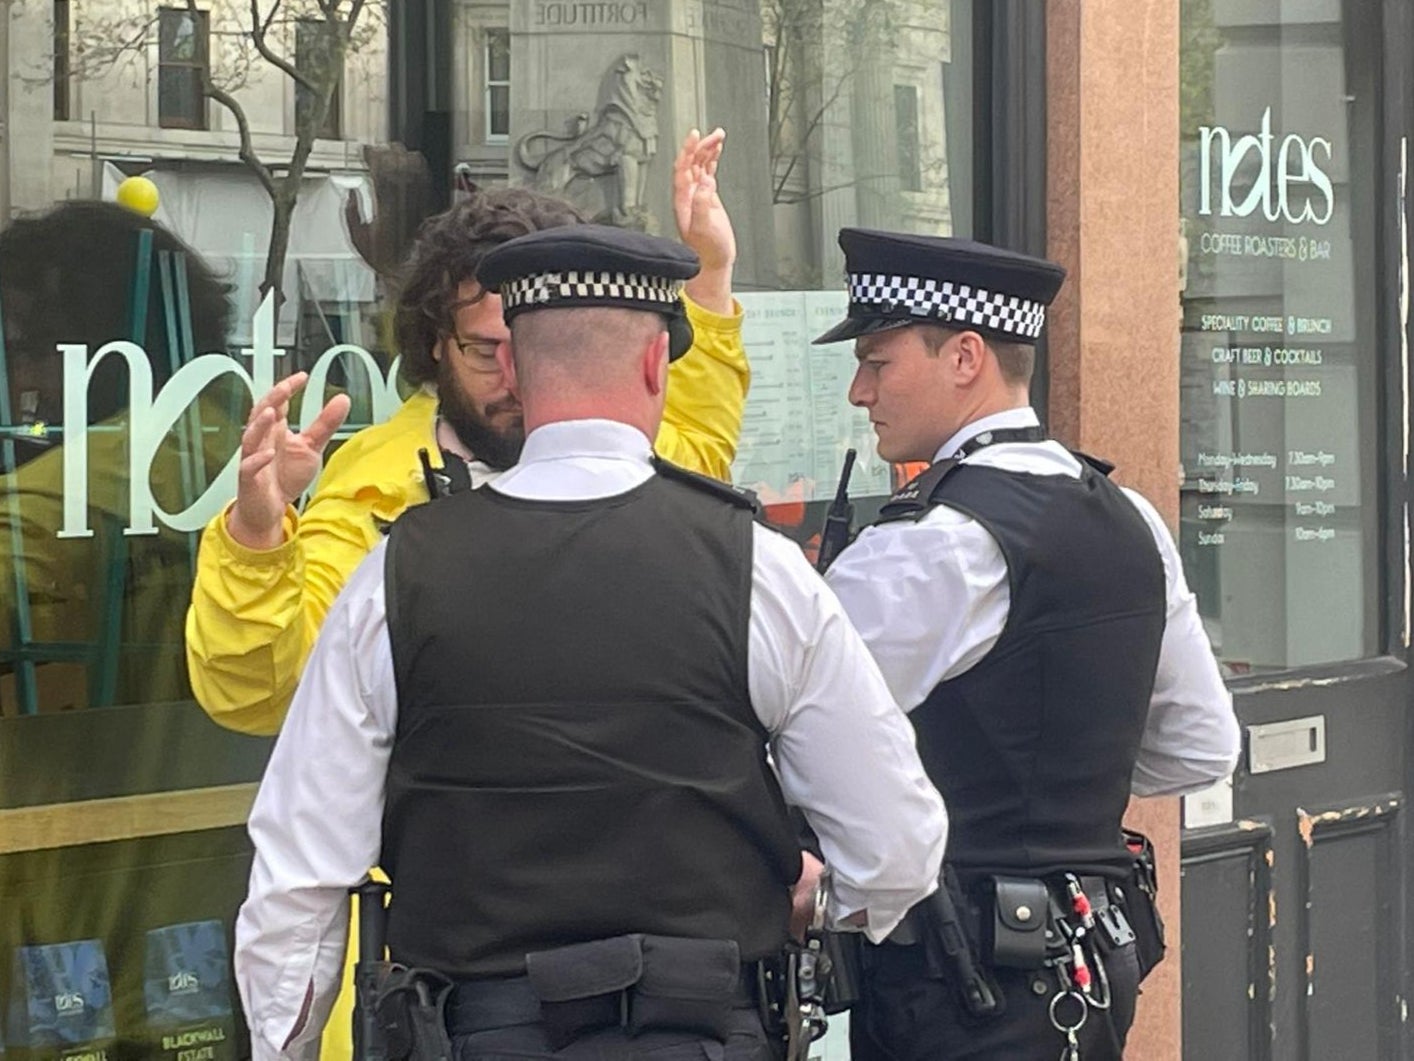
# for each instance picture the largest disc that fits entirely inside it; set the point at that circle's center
(280, 556)
(704, 319)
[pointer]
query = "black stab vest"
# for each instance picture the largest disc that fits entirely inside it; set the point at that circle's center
(576, 755)
(1033, 747)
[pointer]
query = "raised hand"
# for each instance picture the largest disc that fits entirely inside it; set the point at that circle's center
(278, 464)
(702, 220)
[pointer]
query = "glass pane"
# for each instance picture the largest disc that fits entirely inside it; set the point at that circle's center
(112, 459)
(179, 37)
(906, 121)
(61, 61)
(498, 118)
(141, 318)
(316, 57)
(1280, 351)
(498, 55)
(836, 115)
(179, 97)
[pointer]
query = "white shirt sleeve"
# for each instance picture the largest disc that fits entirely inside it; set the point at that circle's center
(316, 824)
(844, 751)
(929, 598)
(1192, 737)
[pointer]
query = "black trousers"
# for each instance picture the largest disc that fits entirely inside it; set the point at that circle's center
(504, 1025)
(905, 1016)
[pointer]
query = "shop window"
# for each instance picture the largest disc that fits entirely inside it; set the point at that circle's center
(319, 58)
(497, 68)
(1280, 342)
(183, 45)
(131, 347)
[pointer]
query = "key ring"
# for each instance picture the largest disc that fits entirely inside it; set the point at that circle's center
(1056, 1000)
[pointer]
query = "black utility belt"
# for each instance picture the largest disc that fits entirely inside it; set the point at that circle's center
(1021, 917)
(637, 982)
(1011, 921)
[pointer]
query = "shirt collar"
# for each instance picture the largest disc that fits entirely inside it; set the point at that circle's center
(1023, 416)
(609, 439)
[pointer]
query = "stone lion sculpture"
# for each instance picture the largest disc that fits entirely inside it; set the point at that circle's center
(611, 154)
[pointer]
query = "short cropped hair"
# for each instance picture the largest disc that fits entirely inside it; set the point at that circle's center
(1017, 361)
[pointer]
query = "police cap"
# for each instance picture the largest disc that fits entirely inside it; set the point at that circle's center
(897, 279)
(580, 266)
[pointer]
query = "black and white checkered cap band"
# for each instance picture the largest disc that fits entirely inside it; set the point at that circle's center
(572, 286)
(943, 300)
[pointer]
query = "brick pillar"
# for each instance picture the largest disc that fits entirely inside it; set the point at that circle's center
(1112, 220)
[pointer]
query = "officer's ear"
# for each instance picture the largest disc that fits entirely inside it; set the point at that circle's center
(655, 364)
(969, 357)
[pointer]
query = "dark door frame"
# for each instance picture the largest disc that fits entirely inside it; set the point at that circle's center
(1010, 149)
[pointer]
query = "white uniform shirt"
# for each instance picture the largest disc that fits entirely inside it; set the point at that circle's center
(844, 752)
(931, 597)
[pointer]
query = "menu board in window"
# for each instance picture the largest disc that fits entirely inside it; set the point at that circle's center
(1279, 346)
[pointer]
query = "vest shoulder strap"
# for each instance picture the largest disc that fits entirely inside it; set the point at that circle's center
(1098, 464)
(925, 491)
(913, 501)
(738, 496)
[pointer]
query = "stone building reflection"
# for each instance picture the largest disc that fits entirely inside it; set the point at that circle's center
(838, 113)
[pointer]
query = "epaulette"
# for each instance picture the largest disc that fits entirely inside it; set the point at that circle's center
(915, 498)
(739, 496)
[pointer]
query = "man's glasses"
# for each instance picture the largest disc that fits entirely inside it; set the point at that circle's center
(479, 354)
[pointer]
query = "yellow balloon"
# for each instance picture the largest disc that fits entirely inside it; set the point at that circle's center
(139, 195)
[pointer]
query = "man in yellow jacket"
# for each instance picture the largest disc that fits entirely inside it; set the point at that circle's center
(267, 575)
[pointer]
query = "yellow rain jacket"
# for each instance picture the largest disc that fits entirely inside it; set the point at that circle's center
(254, 614)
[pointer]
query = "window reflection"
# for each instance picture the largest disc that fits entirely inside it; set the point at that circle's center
(1279, 346)
(274, 243)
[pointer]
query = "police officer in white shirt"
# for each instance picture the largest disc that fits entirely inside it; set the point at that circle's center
(545, 708)
(1034, 620)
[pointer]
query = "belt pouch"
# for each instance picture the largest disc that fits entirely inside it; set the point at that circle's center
(581, 987)
(410, 1011)
(1141, 903)
(844, 951)
(687, 985)
(1020, 911)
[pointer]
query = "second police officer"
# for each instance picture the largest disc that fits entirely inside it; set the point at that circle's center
(1034, 620)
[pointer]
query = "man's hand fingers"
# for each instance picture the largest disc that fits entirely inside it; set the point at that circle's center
(689, 147)
(709, 148)
(803, 894)
(256, 435)
(255, 463)
(684, 182)
(682, 165)
(278, 397)
(329, 420)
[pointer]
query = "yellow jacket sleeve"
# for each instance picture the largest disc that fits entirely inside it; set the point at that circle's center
(706, 393)
(254, 614)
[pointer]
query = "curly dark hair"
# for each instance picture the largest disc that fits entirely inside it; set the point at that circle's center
(448, 250)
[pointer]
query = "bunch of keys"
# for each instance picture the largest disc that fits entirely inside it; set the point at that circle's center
(1071, 1050)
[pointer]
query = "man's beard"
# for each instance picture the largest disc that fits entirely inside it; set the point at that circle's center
(500, 450)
